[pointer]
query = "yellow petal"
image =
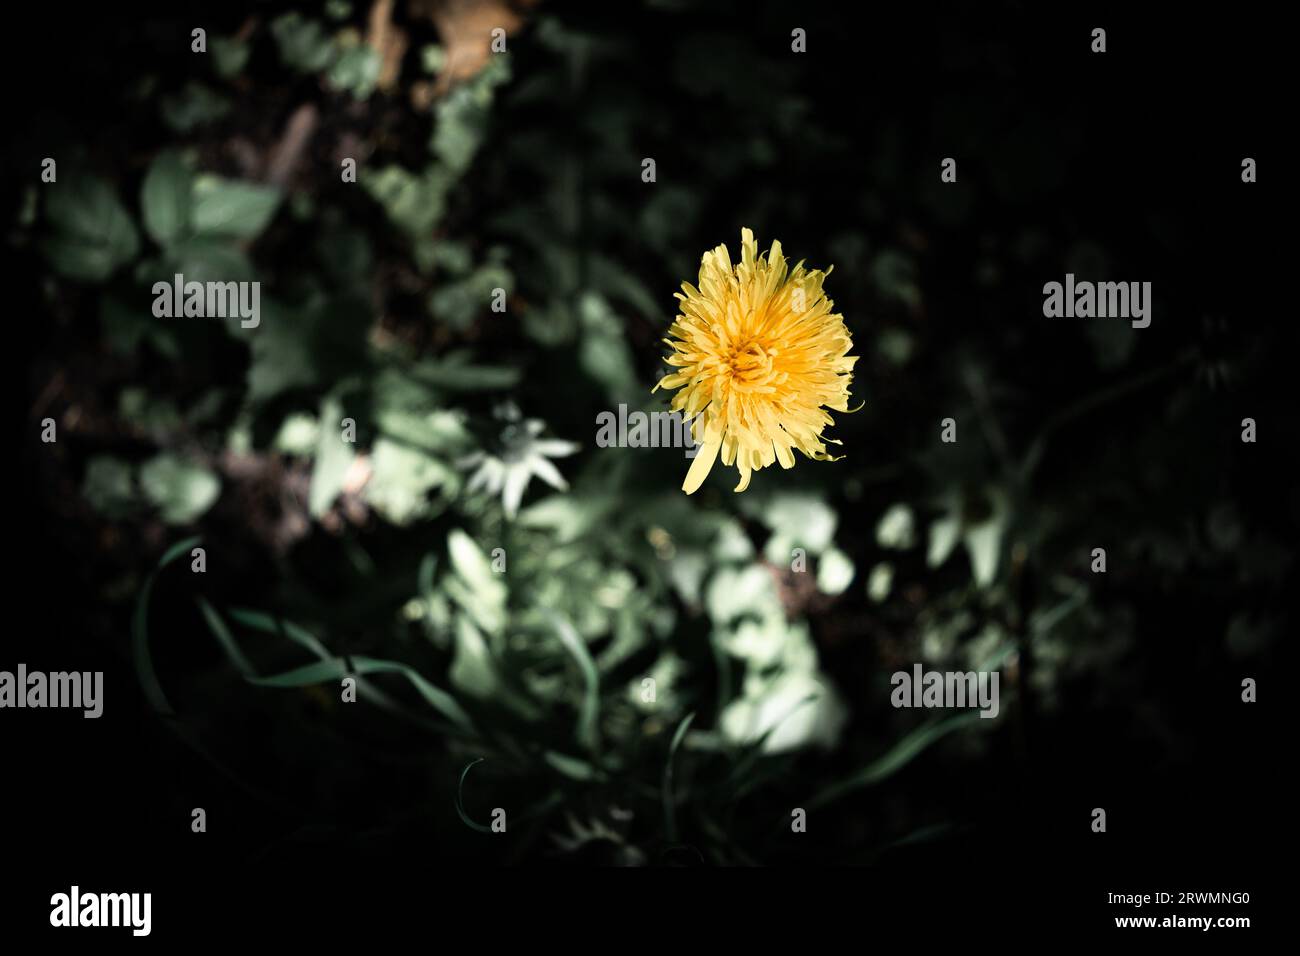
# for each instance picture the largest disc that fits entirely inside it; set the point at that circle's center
(745, 475)
(701, 466)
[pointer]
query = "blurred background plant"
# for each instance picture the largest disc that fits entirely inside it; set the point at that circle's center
(646, 677)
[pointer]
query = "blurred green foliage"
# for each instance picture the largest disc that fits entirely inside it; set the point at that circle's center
(519, 619)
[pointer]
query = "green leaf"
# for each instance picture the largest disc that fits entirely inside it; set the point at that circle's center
(284, 353)
(984, 545)
(127, 326)
(334, 457)
(208, 259)
(894, 274)
(603, 351)
(411, 412)
(474, 570)
(413, 203)
(166, 198)
(462, 115)
(572, 767)
(316, 344)
(441, 432)
(474, 586)
(193, 106)
(182, 489)
(800, 517)
(156, 416)
(345, 253)
(796, 709)
(299, 435)
(945, 532)
(402, 479)
(109, 486)
(432, 58)
(93, 235)
(734, 593)
(229, 55)
(880, 581)
(459, 376)
(356, 71)
(614, 281)
(983, 538)
(472, 670)
(304, 44)
(896, 528)
(459, 303)
(834, 572)
(231, 207)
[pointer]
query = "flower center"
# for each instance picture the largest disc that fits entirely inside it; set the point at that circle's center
(751, 364)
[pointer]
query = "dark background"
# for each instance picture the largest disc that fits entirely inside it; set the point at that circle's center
(1144, 141)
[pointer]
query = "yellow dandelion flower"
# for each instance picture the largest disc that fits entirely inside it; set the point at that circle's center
(760, 357)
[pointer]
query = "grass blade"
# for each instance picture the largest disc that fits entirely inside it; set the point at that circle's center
(670, 808)
(460, 801)
(335, 668)
(897, 757)
(140, 655)
(225, 638)
(589, 712)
